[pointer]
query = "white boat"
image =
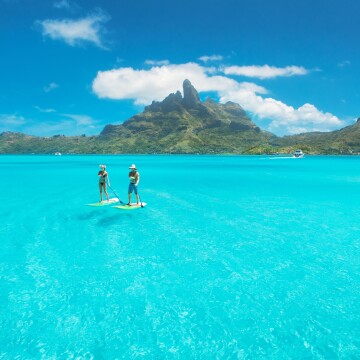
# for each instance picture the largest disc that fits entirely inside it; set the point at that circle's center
(57, 154)
(298, 154)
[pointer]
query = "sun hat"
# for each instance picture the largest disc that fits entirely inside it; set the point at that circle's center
(132, 167)
(102, 166)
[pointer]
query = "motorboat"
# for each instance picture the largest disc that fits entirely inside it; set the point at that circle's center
(298, 154)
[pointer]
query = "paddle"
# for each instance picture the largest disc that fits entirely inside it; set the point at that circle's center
(116, 195)
(140, 200)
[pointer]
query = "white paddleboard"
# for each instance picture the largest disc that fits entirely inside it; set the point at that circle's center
(133, 206)
(111, 201)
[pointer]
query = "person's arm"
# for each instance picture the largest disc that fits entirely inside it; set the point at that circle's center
(137, 180)
(108, 179)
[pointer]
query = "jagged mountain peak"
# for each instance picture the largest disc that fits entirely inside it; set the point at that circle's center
(191, 96)
(173, 102)
(177, 114)
(176, 101)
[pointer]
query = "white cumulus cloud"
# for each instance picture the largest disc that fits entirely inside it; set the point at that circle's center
(144, 86)
(75, 32)
(284, 119)
(265, 71)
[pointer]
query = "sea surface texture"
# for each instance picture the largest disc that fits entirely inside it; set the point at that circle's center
(233, 257)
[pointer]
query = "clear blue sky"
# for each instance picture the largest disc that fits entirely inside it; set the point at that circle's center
(71, 67)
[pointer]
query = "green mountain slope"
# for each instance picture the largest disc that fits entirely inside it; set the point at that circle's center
(343, 141)
(187, 125)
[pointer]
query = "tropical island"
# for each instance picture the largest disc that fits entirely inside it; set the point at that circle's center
(183, 124)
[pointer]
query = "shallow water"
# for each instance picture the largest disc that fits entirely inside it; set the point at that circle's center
(234, 257)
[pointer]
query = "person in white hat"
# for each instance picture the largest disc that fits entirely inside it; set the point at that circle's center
(103, 178)
(134, 177)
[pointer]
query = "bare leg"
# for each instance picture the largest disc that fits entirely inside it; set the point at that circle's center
(137, 198)
(107, 196)
(100, 188)
(129, 198)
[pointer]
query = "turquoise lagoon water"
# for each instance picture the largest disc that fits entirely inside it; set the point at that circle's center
(234, 257)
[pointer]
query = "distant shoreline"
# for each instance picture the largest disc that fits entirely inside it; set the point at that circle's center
(283, 155)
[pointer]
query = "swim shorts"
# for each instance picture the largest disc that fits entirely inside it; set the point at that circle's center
(132, 187)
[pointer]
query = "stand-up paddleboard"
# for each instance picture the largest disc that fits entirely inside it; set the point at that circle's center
(133, 206)
(111, 201)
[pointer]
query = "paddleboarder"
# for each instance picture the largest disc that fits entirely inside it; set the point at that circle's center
(134, 177)
(103, 179)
